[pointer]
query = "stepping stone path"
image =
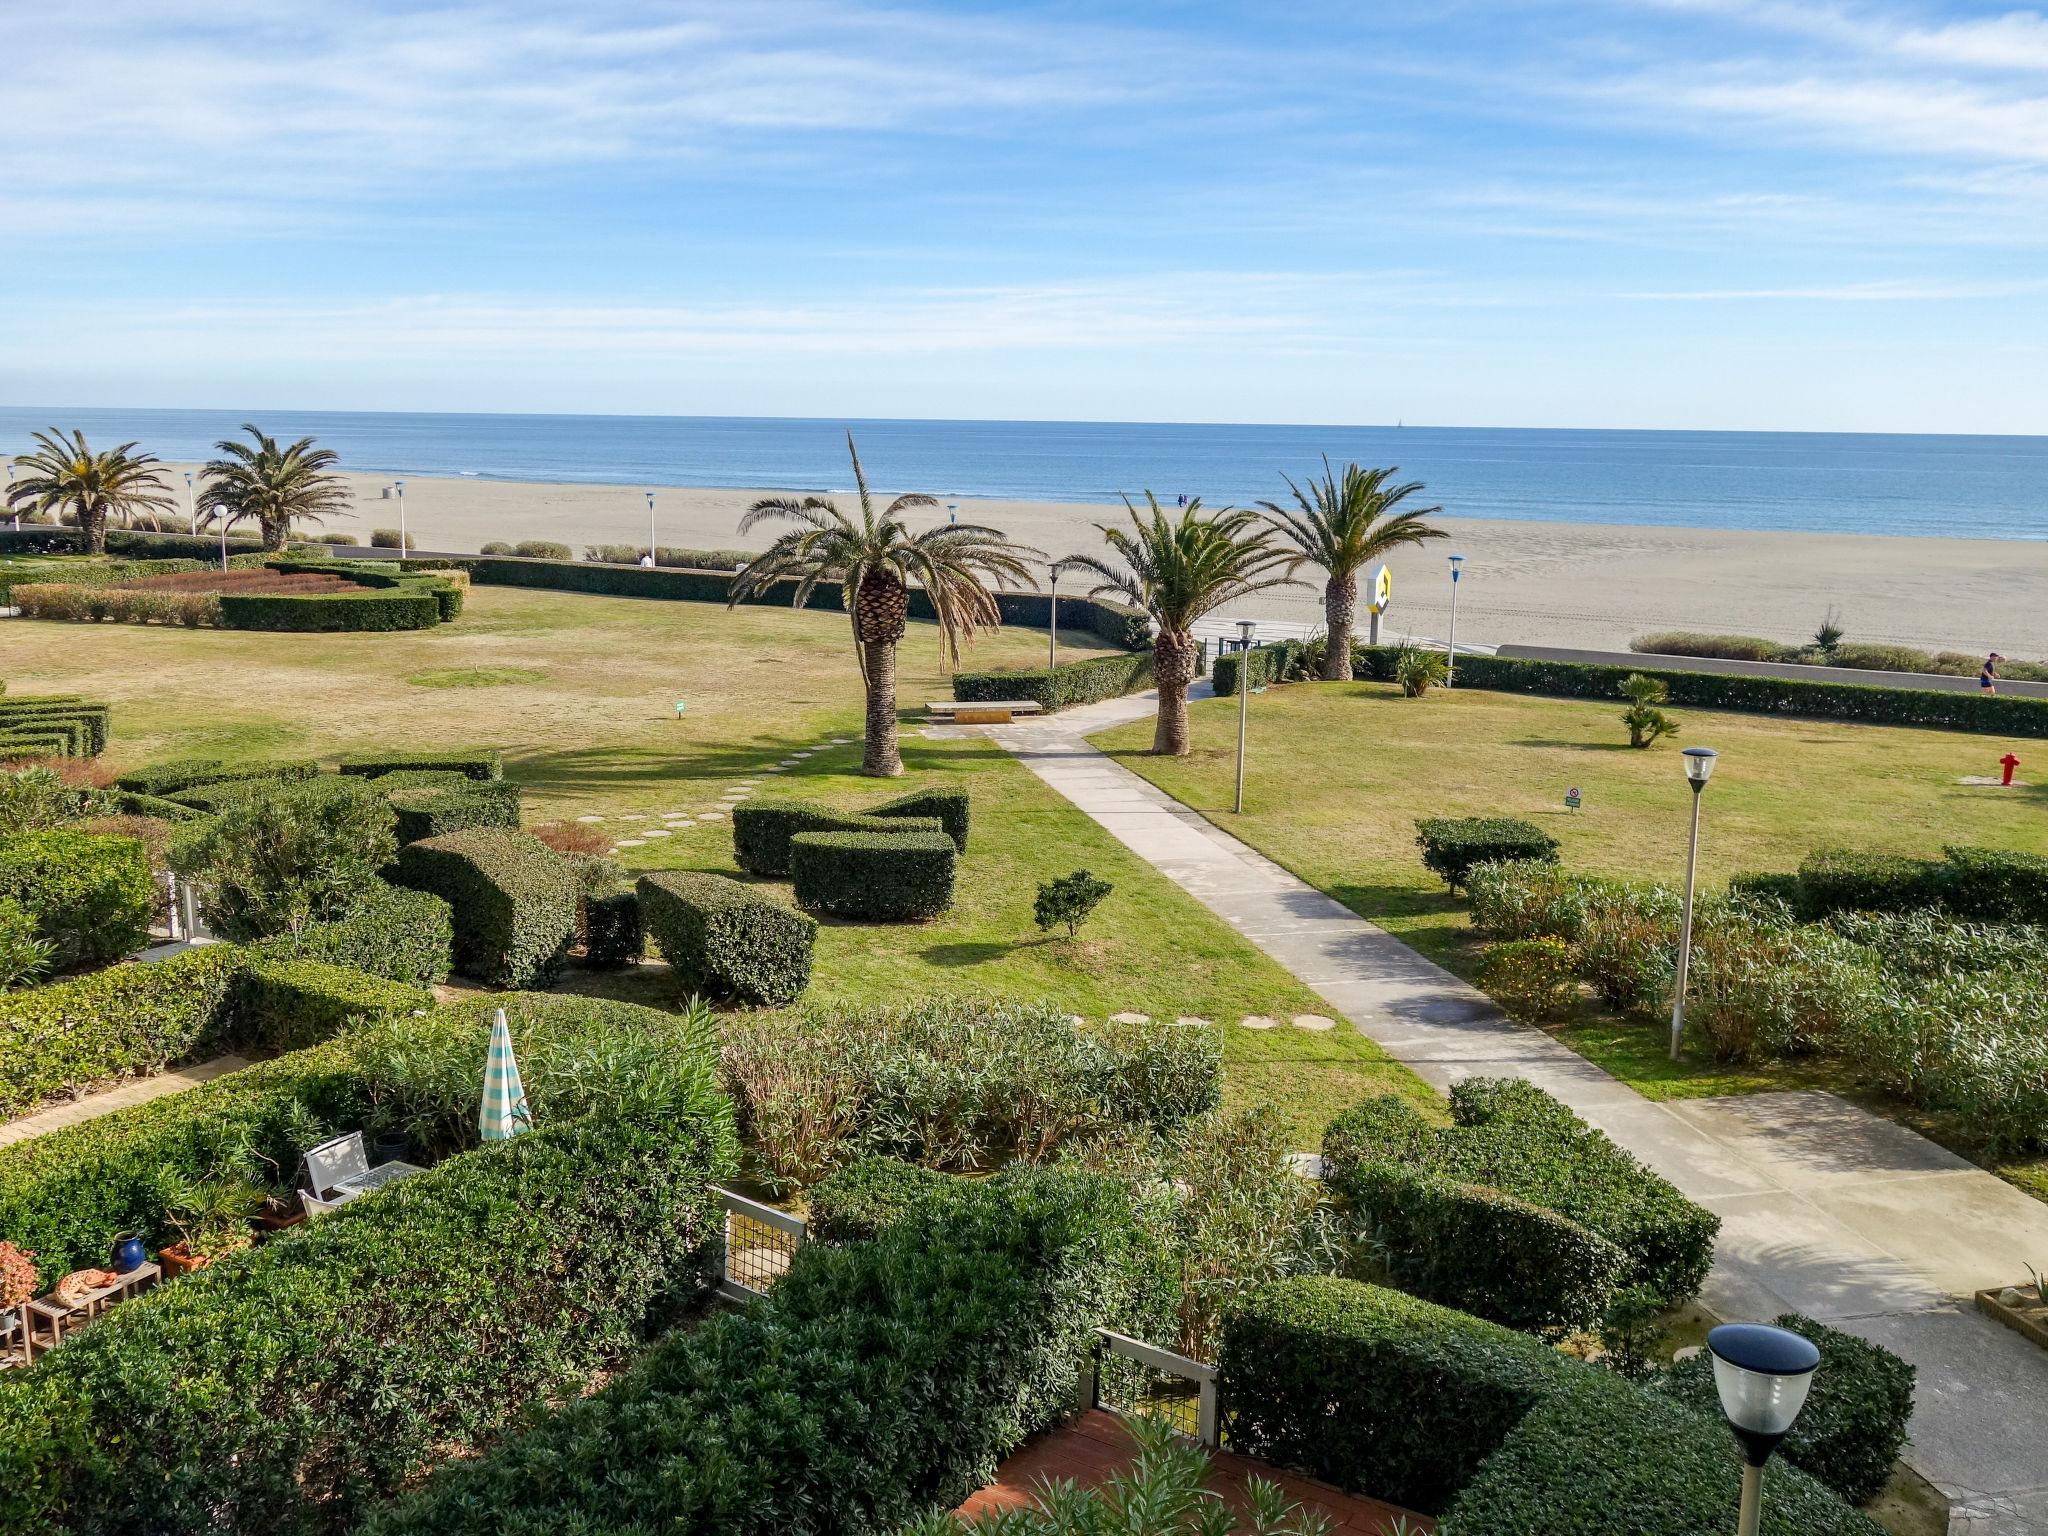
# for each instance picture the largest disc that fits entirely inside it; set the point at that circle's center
(660, 832)
(1256, 1021)
(1189, 1021)
(1315, 1022)
(590, 818)
(629, 842)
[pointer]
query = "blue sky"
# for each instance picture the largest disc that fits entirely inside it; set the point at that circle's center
(1695, 213)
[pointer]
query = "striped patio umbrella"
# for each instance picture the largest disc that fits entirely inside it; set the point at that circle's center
(504, 1113)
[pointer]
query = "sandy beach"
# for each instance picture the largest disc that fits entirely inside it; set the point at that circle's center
(1578, 584)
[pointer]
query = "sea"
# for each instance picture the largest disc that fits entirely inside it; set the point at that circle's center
(1817, 482)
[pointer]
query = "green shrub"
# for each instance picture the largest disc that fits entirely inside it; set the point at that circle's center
(1451, 845)
(761, 830)
(1727, 647)
(877, 1380)
(867, 1197)
(1995, 885)
(1274, 662)
(1759, 888)
(315, 1375)
(664, 554)
(85, 726)
(399, 935)
(496, 547)
(1512, 1137)
(286, 855)
(1061, 687)
(511, 896)
(1627, 945)
(166, 779)
(286, 1005)
(543, 549)
(91, 895)
(1855, 1419)
(1373, 1390)
(953, 1084)
(873, 876)
(1604, 1456)
(1515, 899)
(1068, 900)
(949, 807)
(24, 952)
(725, 939)
(1853, 880)
(484, 764)
(390, 538)
(427, 811)
(614, 935)
(1418, 670)
(1533, 979)
(1762, 988)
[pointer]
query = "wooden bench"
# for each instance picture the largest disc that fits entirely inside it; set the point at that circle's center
(983, 711)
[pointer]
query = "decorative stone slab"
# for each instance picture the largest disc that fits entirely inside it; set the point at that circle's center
(1316, 1022)
(590, 818)
(1130, 1018)
(659, 832)
(629, 842)
(1189, 1021)
(632, 816)
(1256, 1021)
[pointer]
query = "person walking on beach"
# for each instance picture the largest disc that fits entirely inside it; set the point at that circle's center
(1987, 680)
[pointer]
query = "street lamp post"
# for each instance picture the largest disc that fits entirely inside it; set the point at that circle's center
(191, 503)
(952, 513)
(1451, 650)
(1052, 626)
(1244, 693)
(1761, 1375)
(651, 560)
(1699, 767)
(404, 543)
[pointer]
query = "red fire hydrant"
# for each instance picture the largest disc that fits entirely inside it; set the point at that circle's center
(2008, 763)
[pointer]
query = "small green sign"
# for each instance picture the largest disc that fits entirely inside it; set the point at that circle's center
(679, 707)
(1571, 798)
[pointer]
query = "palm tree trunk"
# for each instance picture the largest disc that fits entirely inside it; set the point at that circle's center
(1340, 604)
(1173, 663)
(274, 532)
(94, 521)
(879, 756)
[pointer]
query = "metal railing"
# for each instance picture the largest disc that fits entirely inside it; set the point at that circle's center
(1140, 1380)
(759, 1243)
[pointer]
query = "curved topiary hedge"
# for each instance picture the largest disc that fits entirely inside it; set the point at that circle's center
(512, 898)
(761, 830)
(874, 876)
(726, 940)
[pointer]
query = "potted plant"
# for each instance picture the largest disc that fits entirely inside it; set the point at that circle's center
(17, 1283)
(281, 1211)
(212, 1219)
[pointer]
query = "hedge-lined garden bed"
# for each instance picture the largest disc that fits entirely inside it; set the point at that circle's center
(374, 597)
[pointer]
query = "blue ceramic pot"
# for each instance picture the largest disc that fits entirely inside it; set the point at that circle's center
(128, 1255)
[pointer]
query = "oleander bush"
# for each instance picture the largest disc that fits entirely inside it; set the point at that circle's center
(389, 538)
(725, 939)
(951, 808)
(91, 895)
(483, 764)
(878, 1380)
(1514, 899)
(1868, 658)
(428, 810)
(953, 1084)
(1677, 642)
(1761, 987)
(512, 898)
(289, 1388)
(1534, 979)
(1854, 1423)
(868, 1196)
(761, 830)
(874, 876)
(1427, 1195)
(664, 554)
(1452, 845)
(283, 855)
(1061, 687)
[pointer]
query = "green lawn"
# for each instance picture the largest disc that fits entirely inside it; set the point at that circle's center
(579, 691)
(1338, 773)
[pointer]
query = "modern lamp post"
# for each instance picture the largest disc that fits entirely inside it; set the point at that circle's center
(1052, 624)
(1244, 693)
(952, 513)
(404, 544)
(1699, 767)
(1451, 661)
(651, 560)
(191, 502)
(1761, 1375)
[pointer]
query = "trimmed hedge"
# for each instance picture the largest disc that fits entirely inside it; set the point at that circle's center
(428, 811)
(949, 807)
(91, 894)
(876, 1381)
(1511, 1137)
(614, 935)
(287, 1005)
(329, 612)
(1451, 845)
(86, 724)
(726, 940)
(866, 1198)
(483, 764)
(761, 831)
(512, 898)
(1856, 1415)
(873, 876)
(286, 1389)
(397, 934)
(1062, 687)
(167, 779)
(1992, 885)
(2001, 715)
(1270, 663)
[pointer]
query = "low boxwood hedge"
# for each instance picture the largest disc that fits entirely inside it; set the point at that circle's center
(614, 933)
(865, 1198)
(86, 726)
(725, 939)
(1856, 1415)
(877, 1380)
(512, 898)
(761, 830)
(1270, 663)
(25, 746)
(1451, 845)
(483, 764)
(1512, 1137)
(1061, 687)
(164, 780)
(430, 811)
(90, 893)
(397, 934)
(286, 1389)
(873, 876)
(949, 807)
(2000, 715)
(1990, 885)
(286, 1005)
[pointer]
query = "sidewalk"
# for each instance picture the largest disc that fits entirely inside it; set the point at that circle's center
(93, 1105)
(1826, 1209)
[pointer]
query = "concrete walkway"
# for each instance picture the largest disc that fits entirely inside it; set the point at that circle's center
(93, 1105)
(1826, 1209)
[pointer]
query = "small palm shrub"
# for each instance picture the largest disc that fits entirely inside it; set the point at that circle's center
(1418, 670)
(1532, 978)
(1646, 723)
(1069, 900)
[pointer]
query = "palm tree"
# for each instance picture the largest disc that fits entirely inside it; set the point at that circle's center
(65, 474)
(1343, 527)
(272, 487)
(875, 561)
(1176, 572)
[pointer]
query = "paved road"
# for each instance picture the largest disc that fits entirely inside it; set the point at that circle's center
(1826, 1209)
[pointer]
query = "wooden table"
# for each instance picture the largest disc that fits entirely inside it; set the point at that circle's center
(56, 1317)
